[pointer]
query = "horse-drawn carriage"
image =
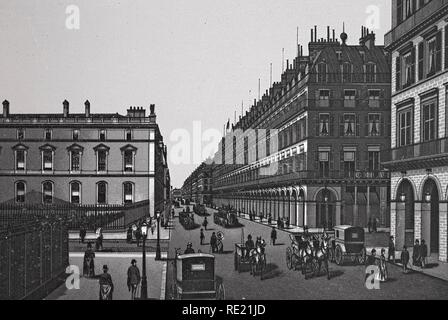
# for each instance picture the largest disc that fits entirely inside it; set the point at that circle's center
(348, 243)
(186, 219)
(254, 258)
(195, 277)
(225, 217)
(309, 254)
(200, 210)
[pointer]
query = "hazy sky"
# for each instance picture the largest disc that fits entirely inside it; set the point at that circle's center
(197, 60)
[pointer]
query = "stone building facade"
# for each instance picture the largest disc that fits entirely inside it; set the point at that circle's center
(418, 43)
(84, 158)
(198, 186)
(311, 149)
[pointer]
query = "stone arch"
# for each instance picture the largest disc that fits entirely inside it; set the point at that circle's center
(437, 183)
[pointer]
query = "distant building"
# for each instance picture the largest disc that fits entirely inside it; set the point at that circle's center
(418, 42)
(311, 150)
(83, 158)
(176, 194)
(198, 186)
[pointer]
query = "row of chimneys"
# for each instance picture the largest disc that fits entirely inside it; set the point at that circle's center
(329, 39)
(132, 111)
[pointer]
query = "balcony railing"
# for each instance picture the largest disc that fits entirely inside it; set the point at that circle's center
(354, 78)
(424, 149)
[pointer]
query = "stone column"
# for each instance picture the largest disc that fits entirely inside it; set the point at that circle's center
(338, 213)
(310, 217)
(399, 225)
(422, 223)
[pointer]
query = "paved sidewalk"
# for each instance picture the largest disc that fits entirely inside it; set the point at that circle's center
(118, 264)
(120, 235)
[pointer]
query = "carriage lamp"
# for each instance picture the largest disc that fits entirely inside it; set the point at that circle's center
(158, 257)
(428, 197)
(144, 290)
(402, 197)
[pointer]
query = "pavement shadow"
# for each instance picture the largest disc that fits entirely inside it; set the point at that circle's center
(431, 265)
(271, 271)
(336, 273)
(279, 244)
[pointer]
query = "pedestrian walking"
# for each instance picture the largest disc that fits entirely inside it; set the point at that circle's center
(416, 254)
(82, 233)
(138, 235)
(213, 242)
(205, 223)
(202, 236)
(106, 284)
(405, 259)
(133, 278)
(423, 253)
(391, 249)
(383, 267)
(88, 269)
(99, 240)
(369, 225)
(269, 219)
(374, 225)
(273, 236)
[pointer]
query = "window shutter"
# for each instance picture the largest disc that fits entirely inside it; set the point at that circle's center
(317, 126)
(366, 126)
(331, 126)
(357, 125)
(397, 73)
(439, 51)
(421, 55)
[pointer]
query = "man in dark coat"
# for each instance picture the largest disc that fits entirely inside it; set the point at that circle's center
(82, 233)
(370, 261)
(423, 253)
(129, 235)
(213, 242)
(202, 236)
(133, 278)
(374, 225)
(189, 249)
(405, 259)
(205, 223)
(416, 253)
(89, 262)
(391, 249)
(369, 225)
(106, 284)
(273, 236)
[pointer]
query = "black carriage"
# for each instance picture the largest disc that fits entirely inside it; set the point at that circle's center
(187, 220)
(200, 210)
(226, 218)
(195, 278)
(348, 244)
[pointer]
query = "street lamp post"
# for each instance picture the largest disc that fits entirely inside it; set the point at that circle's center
(158, 236)
(326, 209)
(144, 293)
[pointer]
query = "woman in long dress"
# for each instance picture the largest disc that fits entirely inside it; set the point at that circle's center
(383, 274)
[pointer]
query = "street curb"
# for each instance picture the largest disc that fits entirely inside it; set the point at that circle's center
(163, 284)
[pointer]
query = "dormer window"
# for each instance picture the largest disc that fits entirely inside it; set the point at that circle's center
(48, 134)
(20, 134)
(370, 70)
(75, 135)
(322, 72)
(102, 135)
(346, 72)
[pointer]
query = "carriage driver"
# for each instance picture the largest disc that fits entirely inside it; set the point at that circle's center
(249, 244)
(189, 248)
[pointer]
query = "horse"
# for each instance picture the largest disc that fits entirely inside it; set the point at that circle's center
(257, 257)
(321, 253)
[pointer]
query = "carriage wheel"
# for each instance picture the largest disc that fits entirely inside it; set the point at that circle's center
(362, 256)
(331, 255)
(339, 258)
(235, 261)
(289, 258)
(220, 292)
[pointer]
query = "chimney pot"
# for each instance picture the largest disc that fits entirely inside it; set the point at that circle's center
(87, 108)
(5, 109)
(151, 108)
(65, 108)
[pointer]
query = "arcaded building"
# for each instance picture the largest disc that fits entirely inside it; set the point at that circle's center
(418, 43)
(311, 150)
(83, 158)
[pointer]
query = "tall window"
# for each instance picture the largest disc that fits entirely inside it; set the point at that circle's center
(346, 72)
(349, 124)
(405, 127)
(101, 189)
(47, 192)
(370, 72)
(349, 98)
(102, 160)
(409, 67)
(321, 72)
(435, 54)
(128, 161)
(20, 160)
(75, 160)
(47, 160)
(374, 98)
(399, 11)
(128, 194)
(349, 163)
(429, 121)
(20, 191)
(48, 134)
(324, 122)
(75, 192)
(324, 163)
(374, 160)
(374, 124)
